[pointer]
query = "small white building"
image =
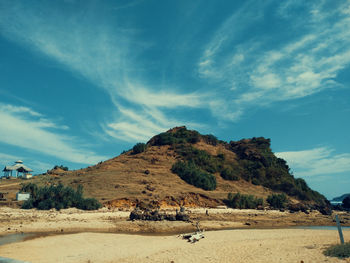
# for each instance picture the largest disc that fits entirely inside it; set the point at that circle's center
(17, 170)
(22, 196)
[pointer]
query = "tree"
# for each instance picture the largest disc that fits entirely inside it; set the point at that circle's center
(277, 200)
(139, 148)
(346, 202)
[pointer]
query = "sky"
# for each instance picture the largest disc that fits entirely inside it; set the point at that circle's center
(81, 81)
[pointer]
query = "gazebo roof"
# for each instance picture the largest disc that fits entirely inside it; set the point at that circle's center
(19, 166)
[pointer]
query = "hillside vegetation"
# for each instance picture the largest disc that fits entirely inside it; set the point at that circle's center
(255, 163)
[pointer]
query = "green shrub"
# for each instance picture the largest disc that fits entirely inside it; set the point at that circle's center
(221, 156)
(58, 197)
(210, 139)
(193, 175)
(277, 200)
(339, 251)
(139, 148)
(180, 136)
(200, 158)
(256, 181)
(243, 201)
(230, 173)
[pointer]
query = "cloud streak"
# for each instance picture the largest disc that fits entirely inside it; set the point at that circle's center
(23, 128)
(106, 56)
(260, 72)
(315, 162)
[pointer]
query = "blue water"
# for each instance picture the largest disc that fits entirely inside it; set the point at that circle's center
(9, 260)
(345, 228)
(13, 238)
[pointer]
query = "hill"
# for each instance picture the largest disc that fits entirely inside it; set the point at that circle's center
(340, 198)
(183, 167)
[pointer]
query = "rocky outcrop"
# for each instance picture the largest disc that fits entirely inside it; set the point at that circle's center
(154, 215)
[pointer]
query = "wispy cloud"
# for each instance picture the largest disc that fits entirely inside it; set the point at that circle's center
(104, 55)
(25, 128)
(315, 162)
(8, 159)
(263, 70)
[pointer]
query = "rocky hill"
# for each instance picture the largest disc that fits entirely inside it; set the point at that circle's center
(340, 198)
(181, 167)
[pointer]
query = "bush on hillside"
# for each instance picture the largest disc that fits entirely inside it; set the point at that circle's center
(193, 175)
(277, 201)
(59, 197)
(243, 201)
(202, 159)
(230, 173)
(210, 139)
(180, 136)
(139, 148)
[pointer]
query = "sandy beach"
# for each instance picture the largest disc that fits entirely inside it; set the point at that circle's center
(73, 235)
(244, 245)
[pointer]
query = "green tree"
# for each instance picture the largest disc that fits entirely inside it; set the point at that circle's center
(190, 173)
(346, 202)
(277, 200)
(139, 148)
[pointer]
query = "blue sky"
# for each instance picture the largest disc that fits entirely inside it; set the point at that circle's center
(81, 81)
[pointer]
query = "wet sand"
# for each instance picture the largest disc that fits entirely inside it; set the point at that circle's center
(73, 220)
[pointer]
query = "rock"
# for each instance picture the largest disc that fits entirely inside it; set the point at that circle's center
(170, 217)
(297, 207)
(182, 217)
(325, 211)
(148, 215)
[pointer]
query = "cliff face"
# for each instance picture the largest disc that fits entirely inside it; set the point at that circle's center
(183, 167)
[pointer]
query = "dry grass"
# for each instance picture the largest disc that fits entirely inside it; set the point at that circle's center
(145, 176)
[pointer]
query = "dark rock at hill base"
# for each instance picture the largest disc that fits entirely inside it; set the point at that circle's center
(325, 210)
(149, 215)
(298, 207)
(182, 217)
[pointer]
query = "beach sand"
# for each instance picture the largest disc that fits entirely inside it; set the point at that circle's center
(244, 245)
(108, 236)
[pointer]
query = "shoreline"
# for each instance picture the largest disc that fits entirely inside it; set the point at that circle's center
(34, 235)
(72, 220)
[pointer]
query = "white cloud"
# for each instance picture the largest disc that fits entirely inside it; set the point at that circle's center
(318, 161)
(144, 96)
(8, 159)
(259, 72)
(21, 128)
(104, 55)
(18, 109)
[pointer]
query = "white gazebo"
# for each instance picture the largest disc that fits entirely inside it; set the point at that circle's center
(17, 170)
